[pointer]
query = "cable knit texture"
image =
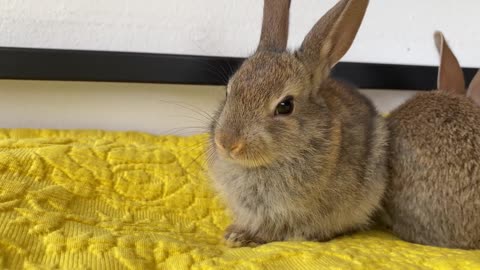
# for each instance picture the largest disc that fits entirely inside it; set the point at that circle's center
(124, 200)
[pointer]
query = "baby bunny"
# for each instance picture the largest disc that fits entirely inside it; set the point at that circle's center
(434, 193)
(296, 154)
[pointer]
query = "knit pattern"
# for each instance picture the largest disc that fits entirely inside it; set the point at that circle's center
(124, 200)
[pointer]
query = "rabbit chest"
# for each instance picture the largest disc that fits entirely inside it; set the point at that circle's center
(276, 195)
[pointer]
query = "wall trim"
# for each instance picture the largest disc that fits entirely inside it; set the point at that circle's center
(112, 66)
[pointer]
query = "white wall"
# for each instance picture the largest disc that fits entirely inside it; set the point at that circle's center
(154, 108)
(393, 31)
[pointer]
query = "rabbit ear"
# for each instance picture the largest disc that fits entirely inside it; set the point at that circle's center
(274, 34)
(474, 89)
(331, 37)
(450, 75)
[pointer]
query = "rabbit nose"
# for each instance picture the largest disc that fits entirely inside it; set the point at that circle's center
(228, 143)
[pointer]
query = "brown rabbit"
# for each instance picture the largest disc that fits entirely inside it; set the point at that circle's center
(296, 154)
(434, 194)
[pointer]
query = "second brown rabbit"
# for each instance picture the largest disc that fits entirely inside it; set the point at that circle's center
(434, 193)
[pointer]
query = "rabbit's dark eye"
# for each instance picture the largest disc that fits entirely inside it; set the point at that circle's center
(285, 107)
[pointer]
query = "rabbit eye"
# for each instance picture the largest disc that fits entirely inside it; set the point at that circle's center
(285, 107)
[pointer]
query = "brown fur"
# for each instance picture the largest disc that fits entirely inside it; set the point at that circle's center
(312, 175)
(434, 162)
(450, 74)
(274, 34)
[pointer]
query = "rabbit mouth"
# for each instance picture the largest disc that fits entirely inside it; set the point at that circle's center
(240, 151)
(252, 163)
(246, 159)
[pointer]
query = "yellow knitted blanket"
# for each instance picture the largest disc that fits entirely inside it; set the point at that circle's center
(123, 200)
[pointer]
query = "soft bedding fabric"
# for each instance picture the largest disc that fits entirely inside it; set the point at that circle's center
(120, 200)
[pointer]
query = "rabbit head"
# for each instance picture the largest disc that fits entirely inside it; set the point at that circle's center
(272, 100)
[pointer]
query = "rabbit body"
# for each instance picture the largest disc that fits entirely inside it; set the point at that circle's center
(327, 178)
(434, 160)
(434, 193)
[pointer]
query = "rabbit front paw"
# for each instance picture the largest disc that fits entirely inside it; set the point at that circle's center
(238, 237)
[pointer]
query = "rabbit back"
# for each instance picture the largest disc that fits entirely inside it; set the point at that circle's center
(434, 161)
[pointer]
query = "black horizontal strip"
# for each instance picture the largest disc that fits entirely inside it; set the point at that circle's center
(109, 66)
